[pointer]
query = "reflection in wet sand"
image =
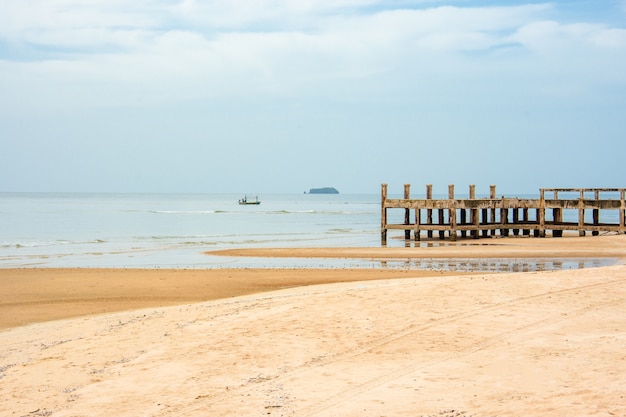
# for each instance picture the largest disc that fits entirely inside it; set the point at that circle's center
(497, 264)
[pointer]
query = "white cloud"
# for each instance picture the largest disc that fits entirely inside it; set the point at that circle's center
(609, 38)
(35, 17)
(551, 36)
(114, 51)
(262, 14)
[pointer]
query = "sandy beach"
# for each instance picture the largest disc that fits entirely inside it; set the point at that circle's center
(310, 342)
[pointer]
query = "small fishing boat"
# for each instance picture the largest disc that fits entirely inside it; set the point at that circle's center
(244, 201)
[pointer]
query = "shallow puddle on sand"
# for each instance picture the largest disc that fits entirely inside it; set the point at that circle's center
(498, 264)
(428, 264)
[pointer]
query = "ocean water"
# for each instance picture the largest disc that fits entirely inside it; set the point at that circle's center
(174, 231)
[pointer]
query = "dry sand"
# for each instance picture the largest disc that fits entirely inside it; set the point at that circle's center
(273, 342)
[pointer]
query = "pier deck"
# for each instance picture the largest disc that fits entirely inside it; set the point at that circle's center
(484, 217)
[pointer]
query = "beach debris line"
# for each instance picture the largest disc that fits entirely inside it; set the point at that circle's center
(484, 217)
(450, 413)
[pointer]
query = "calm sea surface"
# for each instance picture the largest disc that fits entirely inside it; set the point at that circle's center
(173, 230)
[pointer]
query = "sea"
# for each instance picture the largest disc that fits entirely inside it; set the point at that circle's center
(96, 230)
(175, 230)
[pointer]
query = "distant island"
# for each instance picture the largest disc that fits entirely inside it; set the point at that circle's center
(323, 190)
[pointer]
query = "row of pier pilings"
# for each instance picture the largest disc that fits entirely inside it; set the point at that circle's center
(488, 216)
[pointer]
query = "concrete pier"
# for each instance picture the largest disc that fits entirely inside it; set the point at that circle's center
(504, 215)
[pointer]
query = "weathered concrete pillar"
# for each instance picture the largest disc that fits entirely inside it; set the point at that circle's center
(429, 212)
(622, 212)
(537, 232)
(418, 221)
(504, 219)
(474, 217)
(557, 215)
(541, 213)
(596, 214)
(581, 213)
(383, 214)
(452, 212)
(492, 217)
(407, 212)
(441, 223)
(526, 220)
(485, 220)
(462, 220)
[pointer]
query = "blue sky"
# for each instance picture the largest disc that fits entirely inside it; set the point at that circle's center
(283, 95)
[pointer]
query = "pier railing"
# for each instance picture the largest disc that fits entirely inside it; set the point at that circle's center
(484, 217)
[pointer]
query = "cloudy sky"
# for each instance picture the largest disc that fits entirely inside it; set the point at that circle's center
(269, 96)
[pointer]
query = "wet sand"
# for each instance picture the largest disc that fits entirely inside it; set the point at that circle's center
(521, 247)
(37, 295)
(299, 343)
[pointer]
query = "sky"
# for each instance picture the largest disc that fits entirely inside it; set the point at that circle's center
(279, 96)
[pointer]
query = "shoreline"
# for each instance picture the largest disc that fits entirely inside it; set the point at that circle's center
(32, 295)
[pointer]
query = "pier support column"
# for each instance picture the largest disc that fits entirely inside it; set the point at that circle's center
(441, 223)
(383, 215)
(418, 220)
(492, 216)
(596, 213)
(462, 221)
(474, 217)
(485, 220)
(525, 231)
(581, 213)
(429, 212)
(537, 232)
(504, 219)
(557, 215)
(622, 212)
(407, 212)
(541, 213)
(452, 212)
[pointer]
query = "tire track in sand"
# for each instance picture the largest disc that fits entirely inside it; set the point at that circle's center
(410, 330)
(469, 349)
